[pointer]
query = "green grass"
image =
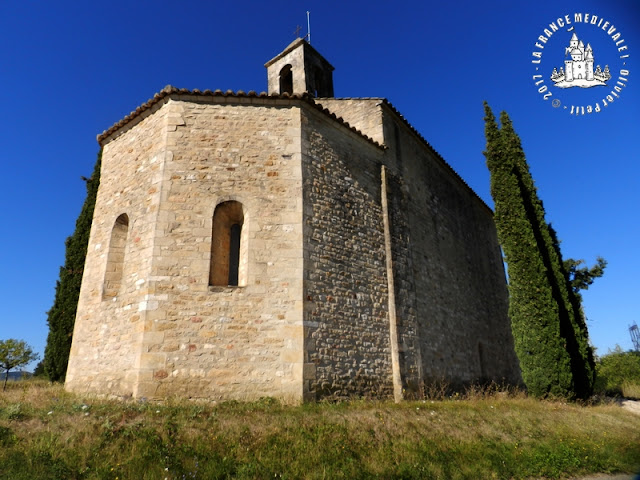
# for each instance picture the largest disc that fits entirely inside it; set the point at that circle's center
(46, 433)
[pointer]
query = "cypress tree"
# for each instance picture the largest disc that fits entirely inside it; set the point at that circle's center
(61, 317)
(533, 307)
(583, 360)
(573, 328)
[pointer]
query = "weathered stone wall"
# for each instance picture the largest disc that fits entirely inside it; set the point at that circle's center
(458, 277)
(229, 342)
(406, 293)
(109, 329)
(308, 71)
(365, 114)
(312, 313)
(298, 76)
(346, 323)
(195, 340)
(450, 289)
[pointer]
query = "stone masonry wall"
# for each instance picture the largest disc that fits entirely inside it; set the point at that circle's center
(346, 323)
(451, 296)
(458, 275)
(310, 317)
(365, 114)
(228, 342)
(174, 333)
(406, 293)
(296, 59)
(109, 329)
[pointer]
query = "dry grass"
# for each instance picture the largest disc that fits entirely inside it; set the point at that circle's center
(631, 390)
(487, 433)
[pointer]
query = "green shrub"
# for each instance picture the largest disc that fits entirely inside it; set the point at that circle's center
(618, 372)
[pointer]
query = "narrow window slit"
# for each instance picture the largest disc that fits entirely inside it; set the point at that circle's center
(234, 254)
(228, 246)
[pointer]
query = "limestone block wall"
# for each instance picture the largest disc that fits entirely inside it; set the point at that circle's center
(300, 68)
(168, 331)
(450, 290)
(365, 114)
(405, 290)
(347, 349)
(110, 325)
(461, 297)
(295, 58)
(324, 269)
(242, 341)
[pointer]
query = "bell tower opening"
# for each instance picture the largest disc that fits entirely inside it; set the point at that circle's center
(286, 80)
(299, 69)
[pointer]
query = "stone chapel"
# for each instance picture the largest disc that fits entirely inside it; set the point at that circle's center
(286, 244)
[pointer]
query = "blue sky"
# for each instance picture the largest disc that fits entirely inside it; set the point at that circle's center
(69, 70)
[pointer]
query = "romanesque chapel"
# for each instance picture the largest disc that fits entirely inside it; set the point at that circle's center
(286, 244)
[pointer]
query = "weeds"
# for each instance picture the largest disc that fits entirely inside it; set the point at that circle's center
(631, 390)
(486, 432)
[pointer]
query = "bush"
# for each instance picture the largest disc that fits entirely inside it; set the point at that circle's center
(619, 373)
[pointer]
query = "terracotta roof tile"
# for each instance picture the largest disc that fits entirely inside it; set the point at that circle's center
(240, 94)
(428, 145)
(305, 97)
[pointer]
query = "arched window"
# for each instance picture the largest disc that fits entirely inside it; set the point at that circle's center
(228, 246)
(286, 80)
(115, 257)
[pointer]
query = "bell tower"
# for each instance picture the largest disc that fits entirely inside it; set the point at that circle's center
(298, 69)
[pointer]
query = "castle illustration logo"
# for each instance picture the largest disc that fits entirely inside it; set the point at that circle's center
(578, 67)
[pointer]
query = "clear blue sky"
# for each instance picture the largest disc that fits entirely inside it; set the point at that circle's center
(69, 70)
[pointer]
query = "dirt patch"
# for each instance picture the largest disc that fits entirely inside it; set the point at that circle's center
(631, 405)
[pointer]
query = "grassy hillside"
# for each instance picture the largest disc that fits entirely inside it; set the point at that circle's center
(46, 433)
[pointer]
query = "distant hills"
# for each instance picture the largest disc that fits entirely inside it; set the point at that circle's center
(16, 375)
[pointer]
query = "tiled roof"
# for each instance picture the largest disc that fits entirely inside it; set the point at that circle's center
(428, 145)
(423, 140)
(304, 97)
(169, 91)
